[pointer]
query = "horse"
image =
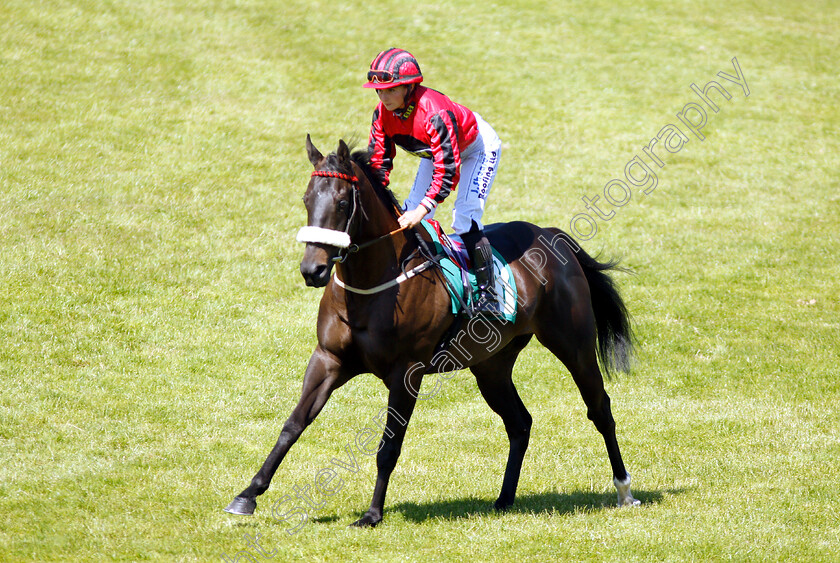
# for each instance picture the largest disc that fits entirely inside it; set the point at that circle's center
(385, 311)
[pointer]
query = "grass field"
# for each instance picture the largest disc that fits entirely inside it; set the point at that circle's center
(154, 327)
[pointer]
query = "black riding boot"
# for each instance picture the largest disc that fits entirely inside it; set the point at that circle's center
(485, 277)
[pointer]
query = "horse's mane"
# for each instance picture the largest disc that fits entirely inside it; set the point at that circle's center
(361, 157)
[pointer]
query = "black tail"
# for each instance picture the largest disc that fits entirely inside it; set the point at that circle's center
(615, 335)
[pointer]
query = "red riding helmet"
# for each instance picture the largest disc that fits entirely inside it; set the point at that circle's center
(393, 67)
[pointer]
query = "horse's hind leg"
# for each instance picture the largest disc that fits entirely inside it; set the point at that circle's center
(574, 345)
(599, 412)
(494, 381)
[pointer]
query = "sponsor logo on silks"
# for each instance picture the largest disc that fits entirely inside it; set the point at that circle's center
(481, 182)
(406, 113)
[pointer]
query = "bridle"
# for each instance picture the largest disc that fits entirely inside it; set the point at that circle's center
(341, 239)
(332, 237)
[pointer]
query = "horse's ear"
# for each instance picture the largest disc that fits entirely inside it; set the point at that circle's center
(315, 155)
(343, 151)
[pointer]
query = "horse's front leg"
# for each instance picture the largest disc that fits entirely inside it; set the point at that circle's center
(401, 402)
(324, 374)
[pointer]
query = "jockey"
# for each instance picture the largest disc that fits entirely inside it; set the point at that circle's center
(455, 146)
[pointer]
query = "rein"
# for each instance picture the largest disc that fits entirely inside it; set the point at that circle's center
(358, 247)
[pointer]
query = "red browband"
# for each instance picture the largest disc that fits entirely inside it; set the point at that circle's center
(339, 175)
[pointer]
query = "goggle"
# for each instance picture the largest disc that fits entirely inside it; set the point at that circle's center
(381, 76)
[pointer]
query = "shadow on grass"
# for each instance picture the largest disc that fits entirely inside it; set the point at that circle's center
(536, 503)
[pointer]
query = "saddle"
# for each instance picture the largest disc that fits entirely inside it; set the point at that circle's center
(461, 283)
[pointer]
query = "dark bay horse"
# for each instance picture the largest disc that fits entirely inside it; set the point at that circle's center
(384, 313)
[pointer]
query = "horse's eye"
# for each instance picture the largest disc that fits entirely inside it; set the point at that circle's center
(343, 204)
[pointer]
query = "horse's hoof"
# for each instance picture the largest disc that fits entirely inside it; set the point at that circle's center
(501, 506)
(625, 497)
(242, 506)
(366, 521)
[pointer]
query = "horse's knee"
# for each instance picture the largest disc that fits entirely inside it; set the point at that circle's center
(292, 427)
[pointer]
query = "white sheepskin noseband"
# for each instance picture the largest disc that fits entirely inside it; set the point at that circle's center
(320, 235)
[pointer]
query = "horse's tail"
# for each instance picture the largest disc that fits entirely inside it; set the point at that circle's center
(612, 321)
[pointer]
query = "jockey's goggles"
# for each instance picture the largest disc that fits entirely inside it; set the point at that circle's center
(381, 76)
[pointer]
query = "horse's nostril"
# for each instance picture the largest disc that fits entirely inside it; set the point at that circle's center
(315, 275)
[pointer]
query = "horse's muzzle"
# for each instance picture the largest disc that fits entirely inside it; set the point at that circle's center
(316, 265)
(314, 274)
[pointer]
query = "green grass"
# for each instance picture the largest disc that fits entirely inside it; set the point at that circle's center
(154, 327)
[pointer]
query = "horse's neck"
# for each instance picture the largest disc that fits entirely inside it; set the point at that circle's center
(377, 220)
(380, 259)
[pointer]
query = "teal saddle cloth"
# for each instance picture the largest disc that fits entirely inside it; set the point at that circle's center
(459, 276)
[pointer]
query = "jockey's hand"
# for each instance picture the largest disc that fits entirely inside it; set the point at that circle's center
(412, 218)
